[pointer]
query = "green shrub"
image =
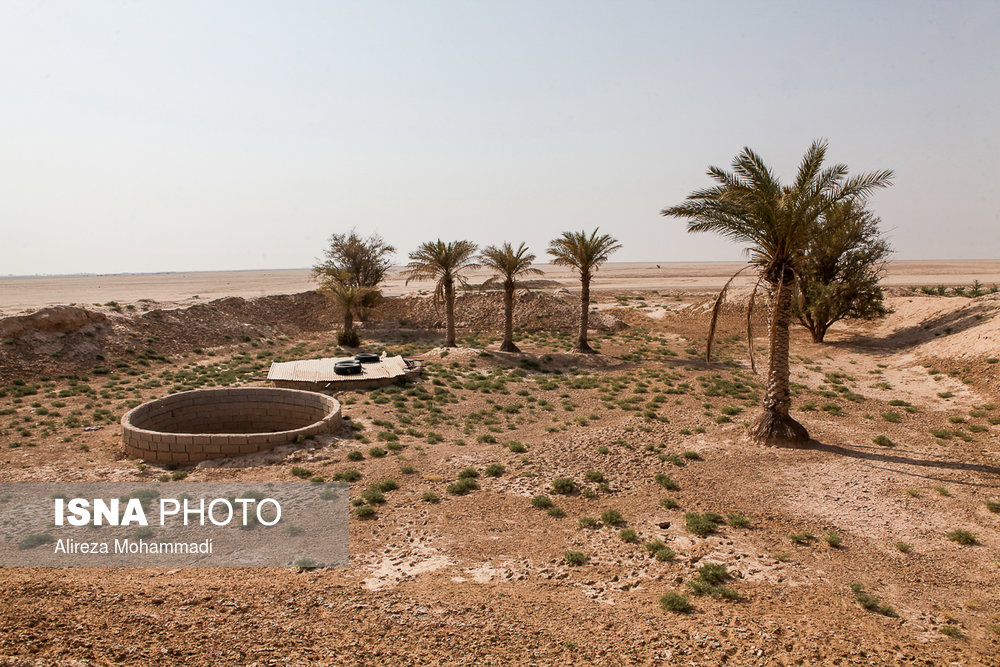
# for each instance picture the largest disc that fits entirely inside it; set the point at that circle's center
(541, 502)
(675, 602)
(669, 503)
(556, 512)
(588, 522)
(468, 473)
(462, 486)
(575, 557)
(387, 485)
(349, 338)
(594, 476)
(430, 497)
(833, 539)
(612, 517)
(355, 455)
(801, 538)
(563, 485)
(666, 482)
(665, 554)
(739, 520)
(871, 602)
(373, 496)
(302, 473)
(962, 536)
(883, 441)
(628, 535)
(700, 524)
(376, 452)
(495, 470)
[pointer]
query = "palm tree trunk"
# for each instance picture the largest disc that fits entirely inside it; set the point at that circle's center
(508, 321)
(449, 305)
(775, 426)
(582, 345)
(348, 320)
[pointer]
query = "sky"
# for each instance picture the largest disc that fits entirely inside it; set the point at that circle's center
(179, 136)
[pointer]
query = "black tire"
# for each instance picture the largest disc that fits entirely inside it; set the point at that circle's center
(366, 357)
(347, 368)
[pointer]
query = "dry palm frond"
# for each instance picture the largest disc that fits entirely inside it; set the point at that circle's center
(715, 312)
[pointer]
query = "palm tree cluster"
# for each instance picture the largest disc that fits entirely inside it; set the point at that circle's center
(813, 239)
(446, 263)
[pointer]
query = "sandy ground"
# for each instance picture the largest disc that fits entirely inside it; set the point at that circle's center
(18, 294)
(482, 578)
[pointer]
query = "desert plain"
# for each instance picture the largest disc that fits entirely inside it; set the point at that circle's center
(601, 484)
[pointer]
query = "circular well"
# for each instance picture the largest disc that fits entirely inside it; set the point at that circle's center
(204, 424)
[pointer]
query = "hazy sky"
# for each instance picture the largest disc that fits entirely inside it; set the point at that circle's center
(172, 136)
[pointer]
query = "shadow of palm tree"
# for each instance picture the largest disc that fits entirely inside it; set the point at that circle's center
(885, 457)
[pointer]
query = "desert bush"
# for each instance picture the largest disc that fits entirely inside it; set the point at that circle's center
(833, 539)
(883, 441)
(666, 482)
(541, 502)
(557, 512)
(468, 473)
(301, 473)
(588, 522)
(430, 497)
(700, 524)
(675, 602)
(628, 535)
(903, 547)
(463, 486)
(575, 557)
(612, 517)
(669, 503)
(961, 536)
(495, 470)
(563, 485)
(665, 554)
(871, 602)
(364, 512)
(739, 520)
(801, 538)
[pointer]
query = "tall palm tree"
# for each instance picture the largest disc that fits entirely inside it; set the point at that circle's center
(508, 266)
(750, 205)
(443, 262)
(585, 254)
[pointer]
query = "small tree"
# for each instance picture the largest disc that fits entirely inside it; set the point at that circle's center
(351, 300)
(356, 261)
(585, 254)
(841, 269)
(443, 262)
(508, 266)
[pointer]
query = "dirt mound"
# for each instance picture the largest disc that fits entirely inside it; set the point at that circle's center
(952, 327)
(484, 312)
(57, 319)
(60, 336)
